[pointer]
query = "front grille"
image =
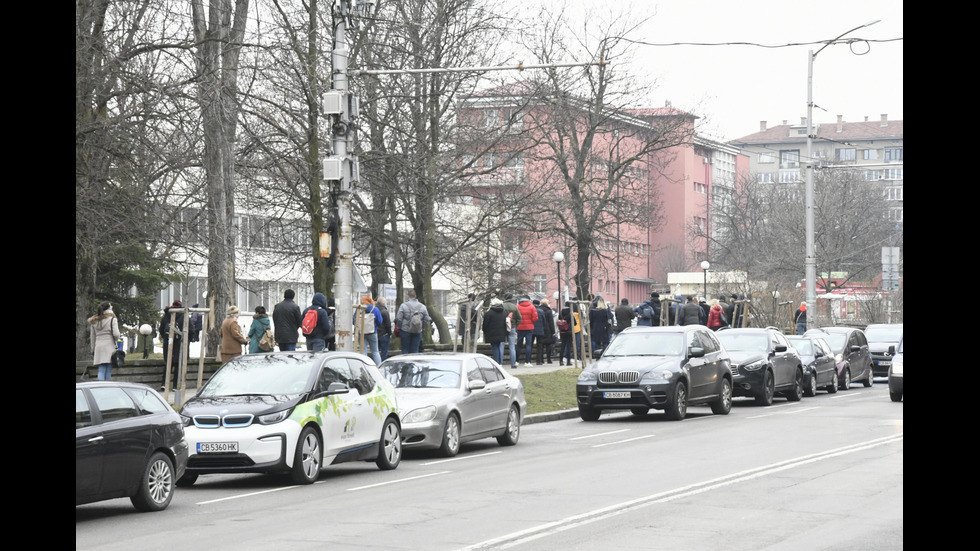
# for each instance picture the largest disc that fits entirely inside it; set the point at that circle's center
(734, 369)
(625, 377)
(230, 421)
(237, 420)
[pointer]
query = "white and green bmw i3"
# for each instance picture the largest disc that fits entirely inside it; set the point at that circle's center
(294, 412)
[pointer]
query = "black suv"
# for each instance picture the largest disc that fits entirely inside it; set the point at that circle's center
(882, 337)
(763, 363)
(666, 368)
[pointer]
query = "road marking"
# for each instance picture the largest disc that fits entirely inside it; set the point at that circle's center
(544, 530)
(399, 481)
(459, 458)
(248, 495)
(598, 434)
(623, 441)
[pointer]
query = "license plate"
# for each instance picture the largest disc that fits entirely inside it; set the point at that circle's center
(884, 363)
(217, 447)
(616, 394)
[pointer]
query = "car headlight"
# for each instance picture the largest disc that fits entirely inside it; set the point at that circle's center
(270, 418)
(657, 375)
(838, 357)
(420, 415)
(186, 421)
(754, 366)
(587, 376)
(897, 367)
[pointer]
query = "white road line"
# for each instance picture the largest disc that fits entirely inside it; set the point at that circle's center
(598, 434)
(623, 441)
(399, 481)
(459, 458)
(248, 495)
(568, 523)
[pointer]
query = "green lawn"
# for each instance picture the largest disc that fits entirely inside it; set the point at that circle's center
(551, 391)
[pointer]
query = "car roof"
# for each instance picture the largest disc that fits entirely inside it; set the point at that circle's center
(836, 329)
(437, 355)
(748, 329)
(98, 384)
(664, 329)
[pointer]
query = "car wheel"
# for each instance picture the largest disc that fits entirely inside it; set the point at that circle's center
(764, 397)
(723, 404)
(845, 383)
(795, 394)
(639, 411)
(677, 404)
(307, 457)
(811, 385)
(390, 447)
(156, 484)
(832, 388)
(513, 430)
(870, 381)
(187, 480)
(450, 437)
(896, 396)
(588, 413)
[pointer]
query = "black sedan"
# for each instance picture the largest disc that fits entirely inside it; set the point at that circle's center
(763, 364)
(665, 368)
(128, 443)
(819, 366)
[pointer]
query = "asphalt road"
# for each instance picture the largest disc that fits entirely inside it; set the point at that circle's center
(822, 473)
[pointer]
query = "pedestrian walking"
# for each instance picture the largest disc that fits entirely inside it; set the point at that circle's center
(286, 318)
(230, 334)
(371, 325)
(165, 331)
(260, 322)
(565, 334)
(412, 316)
(648, 312)
(549, 332)
(515, 320)
(716, 316)
(316, 338)
(600, 324)
(691, 313)
(103, 334)
(800, 318)
(624, 315)
(495, 329)
(195, 326)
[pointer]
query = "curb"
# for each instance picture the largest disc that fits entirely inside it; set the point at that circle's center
(550, 416)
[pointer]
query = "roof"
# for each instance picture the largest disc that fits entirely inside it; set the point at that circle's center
(865, 130)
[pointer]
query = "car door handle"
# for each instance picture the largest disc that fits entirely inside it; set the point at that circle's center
(488, 391)
(95, 439)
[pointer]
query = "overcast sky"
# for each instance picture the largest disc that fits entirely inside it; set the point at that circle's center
(734, 87)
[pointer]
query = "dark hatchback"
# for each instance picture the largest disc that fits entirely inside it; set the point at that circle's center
(664, 368)
(851, 353)
(819, 366)
(128, 443)
(763, 364)
(883, 339)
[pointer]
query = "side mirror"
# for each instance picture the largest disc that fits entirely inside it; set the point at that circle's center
(780, 348)
(818, 354)
(476, 384)
(333, 388)
(891, 350)
(696, 352)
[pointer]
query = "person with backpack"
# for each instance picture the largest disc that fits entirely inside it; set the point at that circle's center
(260, 324)
(412, 316)
(648, 312)
(371, 328)
(316, 323)
(230, 334)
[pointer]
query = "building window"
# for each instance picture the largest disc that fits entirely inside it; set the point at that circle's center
(893, 194)
(872, 175)
(870, 154)
(767, 177)
(540, 283)
(895, 214)
(892, 174)
(699, 187)
(491, 118)
(846, 154)
(893, 154)
(766, 158)
(789, 158)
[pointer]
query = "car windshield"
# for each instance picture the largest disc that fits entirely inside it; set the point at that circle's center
(422, 373)
(743, 342)
(884, 333)
(261, 375)
(646, 344)
(803, 346)
(836, 341)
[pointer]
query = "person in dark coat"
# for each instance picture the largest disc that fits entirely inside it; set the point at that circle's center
(565, 353)
(384, 333)
(624, 315)
(546, 342)
(729, 307)
(317, 340)
(260, 322)
(287, 319)
(196, 325)
(691, 313)
(495, 329)
(600, 322)
(165, 330)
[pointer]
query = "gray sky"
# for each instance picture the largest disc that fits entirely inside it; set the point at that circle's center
(734, 87)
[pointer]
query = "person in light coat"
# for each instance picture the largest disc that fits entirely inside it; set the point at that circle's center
(103, 334)
(231, 336)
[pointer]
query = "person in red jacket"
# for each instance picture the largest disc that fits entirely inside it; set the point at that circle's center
(525, 329)
(716, 316)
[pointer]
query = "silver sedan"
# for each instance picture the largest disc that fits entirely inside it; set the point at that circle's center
(448, 399)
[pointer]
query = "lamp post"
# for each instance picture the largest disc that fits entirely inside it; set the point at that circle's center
(558, 258)
(811, 259)
(704, 266)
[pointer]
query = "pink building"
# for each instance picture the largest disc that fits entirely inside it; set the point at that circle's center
(673, 185)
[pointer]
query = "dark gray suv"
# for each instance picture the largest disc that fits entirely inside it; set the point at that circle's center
(665, 368)
(763, 363)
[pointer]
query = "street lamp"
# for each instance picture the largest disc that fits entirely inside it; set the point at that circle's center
(811, 259)
(559, 258)
(704, 266)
